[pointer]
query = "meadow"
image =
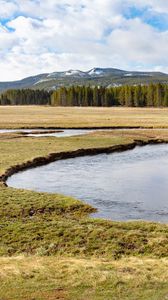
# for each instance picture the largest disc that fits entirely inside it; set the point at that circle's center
(50, 246)
(79, 117)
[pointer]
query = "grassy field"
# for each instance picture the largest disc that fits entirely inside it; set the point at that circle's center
(25, 278)
(40, 116)
(50, 248)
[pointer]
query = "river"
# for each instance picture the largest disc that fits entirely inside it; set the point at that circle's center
(132, 185)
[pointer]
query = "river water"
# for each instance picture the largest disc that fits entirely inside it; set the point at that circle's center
(131, 185)
(66, 132)
(63, 133)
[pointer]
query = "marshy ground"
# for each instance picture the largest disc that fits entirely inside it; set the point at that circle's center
(49, 245)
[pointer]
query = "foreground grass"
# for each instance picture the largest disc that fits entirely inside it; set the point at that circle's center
(67, 254)
(41, 116)
(25, 278)
(93, 259)
(44, 224)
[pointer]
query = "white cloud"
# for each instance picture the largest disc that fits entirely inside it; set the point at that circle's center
(8, 8)
(51, 35)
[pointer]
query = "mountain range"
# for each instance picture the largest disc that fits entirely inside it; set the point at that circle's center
(96, 76)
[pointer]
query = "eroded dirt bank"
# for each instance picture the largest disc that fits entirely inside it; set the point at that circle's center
(39, 161)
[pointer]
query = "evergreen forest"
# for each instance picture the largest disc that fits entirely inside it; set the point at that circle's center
(155, 95)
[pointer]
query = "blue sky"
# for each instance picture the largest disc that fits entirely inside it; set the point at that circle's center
(154, 19)
(47, 36)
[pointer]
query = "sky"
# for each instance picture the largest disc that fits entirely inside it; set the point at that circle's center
(42, 36)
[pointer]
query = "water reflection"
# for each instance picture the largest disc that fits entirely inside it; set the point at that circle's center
(62, 133)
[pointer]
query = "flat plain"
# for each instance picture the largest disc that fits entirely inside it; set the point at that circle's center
(79, 117)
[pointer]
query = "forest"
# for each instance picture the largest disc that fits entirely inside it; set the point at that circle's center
(25, 97)
(155, 95)
(137, 95)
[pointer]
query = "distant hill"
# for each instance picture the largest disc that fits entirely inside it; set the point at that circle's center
(96, 76)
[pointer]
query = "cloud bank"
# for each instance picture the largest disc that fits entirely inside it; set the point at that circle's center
(46, 36)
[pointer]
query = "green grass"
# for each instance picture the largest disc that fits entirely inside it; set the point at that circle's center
(39, 278)
(43, 224)
(51, 248)
(68, 255)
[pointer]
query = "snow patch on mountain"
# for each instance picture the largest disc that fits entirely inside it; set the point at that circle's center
(42, 81)
(54, 74)
(128, 74)
(95, 71)
(73, 73)
(145, 74)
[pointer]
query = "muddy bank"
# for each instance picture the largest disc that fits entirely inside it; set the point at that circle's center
(40, 132)
(39, 161)
(84, 128)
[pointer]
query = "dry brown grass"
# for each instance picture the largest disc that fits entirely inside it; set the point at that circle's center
(41, 116)
(69, 278)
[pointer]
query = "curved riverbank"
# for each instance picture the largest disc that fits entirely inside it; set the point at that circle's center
(39, 161)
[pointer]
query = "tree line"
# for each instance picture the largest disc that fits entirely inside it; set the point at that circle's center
(138, 95)
(25, 97)
(155, 95)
